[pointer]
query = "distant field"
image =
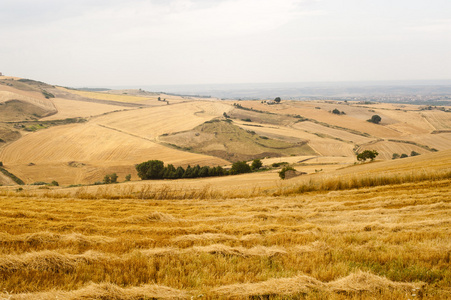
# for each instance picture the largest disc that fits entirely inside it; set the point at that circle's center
(126, 127)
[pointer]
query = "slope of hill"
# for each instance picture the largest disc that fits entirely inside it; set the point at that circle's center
(122, 128)
(228, 141)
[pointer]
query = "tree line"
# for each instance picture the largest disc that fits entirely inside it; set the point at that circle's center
(155, 169)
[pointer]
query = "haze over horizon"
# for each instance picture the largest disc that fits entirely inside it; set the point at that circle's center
(183, 42)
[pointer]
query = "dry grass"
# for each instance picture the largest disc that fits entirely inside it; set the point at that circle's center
(366, 243)
(105, 291)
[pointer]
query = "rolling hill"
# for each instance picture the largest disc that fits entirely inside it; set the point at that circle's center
(54, 133)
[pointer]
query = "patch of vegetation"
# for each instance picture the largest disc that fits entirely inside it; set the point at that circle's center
(284, 170)
(47, 95)
(415, 144)
(12, 176)
(376, 119)
(276, 165)
(240, 167)
(110, 178)
(339, 127)
(234, 143)
(155, 169)
(337, 112)
(38, 125)
(367, 154)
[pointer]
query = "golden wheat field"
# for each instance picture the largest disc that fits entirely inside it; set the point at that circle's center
(387, 241)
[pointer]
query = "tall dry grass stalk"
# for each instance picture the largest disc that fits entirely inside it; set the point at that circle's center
(366, 243)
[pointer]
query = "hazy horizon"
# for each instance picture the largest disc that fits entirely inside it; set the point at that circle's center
(189, 42)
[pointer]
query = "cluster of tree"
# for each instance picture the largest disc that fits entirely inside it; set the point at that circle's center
(337, 112)
(155, 169)
(396, 155)
(367, 154)
(376, 119)
(112, 178)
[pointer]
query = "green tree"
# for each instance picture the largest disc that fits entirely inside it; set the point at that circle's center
(376, 119)
(113, 178)
(414, 153)
(128, 177)
(107, 179)
(367, 154)
(277, 100)
(395, 156)
(256, 164)
(404, 155)
(240, 167)
(152, 169)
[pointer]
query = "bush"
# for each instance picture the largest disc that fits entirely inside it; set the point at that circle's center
(113, 178)
(404, 155)
(240, 167)
(152, 169)
(414, 153)
(256, 164)
(395, 156)
(284, 170)
(276, 165)
(128, 177)
(39, 183)
(376, 119)
(54, 183)
(367, 154)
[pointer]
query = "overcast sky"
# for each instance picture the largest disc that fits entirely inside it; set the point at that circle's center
(154, 42)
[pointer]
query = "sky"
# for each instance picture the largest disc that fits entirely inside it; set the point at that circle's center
(156, 42)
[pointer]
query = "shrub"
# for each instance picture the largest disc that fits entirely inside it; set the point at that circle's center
(404, 155)
(54, 183)
(152, 169)
(113, 178)
(256, 164)
(128, 177)
(276, 165)
(367, 154)
(240, 167)
(395, 156)
(376, 119)
(284, 170)
(414, 153)
(39, 183)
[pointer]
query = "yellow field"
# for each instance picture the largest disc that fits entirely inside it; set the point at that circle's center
(153, 240)
(72, 109)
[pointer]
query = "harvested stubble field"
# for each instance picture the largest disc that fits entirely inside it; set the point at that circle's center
(386, 242)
